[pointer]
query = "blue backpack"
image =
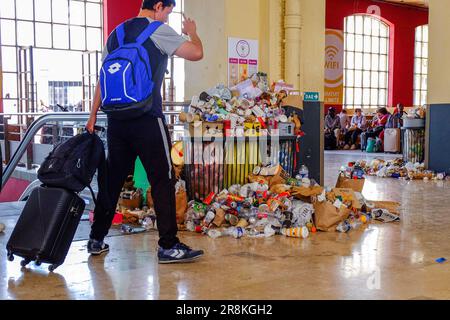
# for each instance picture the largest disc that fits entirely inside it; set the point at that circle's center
(126, 77)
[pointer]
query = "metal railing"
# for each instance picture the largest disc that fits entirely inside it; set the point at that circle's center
(42, 119)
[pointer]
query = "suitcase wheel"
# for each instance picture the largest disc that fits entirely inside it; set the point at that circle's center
(52, 267)
(38, 263)
(10, 256)
(25, 262)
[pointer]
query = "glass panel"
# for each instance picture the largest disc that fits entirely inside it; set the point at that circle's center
(60, 11)
(373, 96)
(358, 96)
(25, 33)
(384, 30)
(43, 10)
(417, 96)
(367, 61)
(425, 50)
(78, 38)
(175, 22)
(8, 32)
(350, 42)
(383, 63)
(383, 80)
(366, 79)
(425, 33)
(349, 76)
(350, 61)
(417, 82)
(374, 78)
(383, 97)
(349, 95)
(419, 34)
(367, 25)
(24, 9)
(383, 46)
(424, 66)
(367, 44)
(359, 24)
(7, 9)
(375, 27)
(9, 56)
(417, 49)
(94, 39)
(60, 37)
(77, 12)
(350, 25)
(358, 43)
(417, 66)
(358, 60)
(179, 79)
(9, 85)
(366, 96)
(358, 78)
(375, 45)
(93, 14)
(43, 35)
(424, 79)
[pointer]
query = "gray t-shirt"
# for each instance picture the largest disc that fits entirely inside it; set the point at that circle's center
(166, 39)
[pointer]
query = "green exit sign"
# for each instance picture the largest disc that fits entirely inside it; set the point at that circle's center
(311, 96)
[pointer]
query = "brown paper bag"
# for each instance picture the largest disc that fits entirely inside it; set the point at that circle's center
(182, 205)
(348, 194)
(355, 185)
(220, 218)
(327, 216)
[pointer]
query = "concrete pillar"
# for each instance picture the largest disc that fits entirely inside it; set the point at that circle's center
(439, 52)
(292, 24)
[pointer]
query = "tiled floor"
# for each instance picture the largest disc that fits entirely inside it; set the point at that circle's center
(392, 261)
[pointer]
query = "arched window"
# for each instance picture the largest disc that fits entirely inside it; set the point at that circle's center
(421, 66)
(366, 62)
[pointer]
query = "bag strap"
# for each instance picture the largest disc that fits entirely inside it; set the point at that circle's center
(147, 33)
(120, 32)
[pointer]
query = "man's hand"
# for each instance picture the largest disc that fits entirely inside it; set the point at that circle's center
(91, 124)
(189, 26)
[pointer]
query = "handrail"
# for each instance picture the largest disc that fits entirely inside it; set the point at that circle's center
(34, 128)
(44, 118)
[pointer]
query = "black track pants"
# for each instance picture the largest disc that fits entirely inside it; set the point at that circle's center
(148, 138)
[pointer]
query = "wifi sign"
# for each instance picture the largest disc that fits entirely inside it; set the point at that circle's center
(331, 52)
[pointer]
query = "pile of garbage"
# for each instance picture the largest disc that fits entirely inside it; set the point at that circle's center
(249, 107)
(396, 168)
(272, 203)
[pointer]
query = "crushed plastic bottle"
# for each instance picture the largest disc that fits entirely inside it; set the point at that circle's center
(303, 173)
(213, 233)
(344, 227)
(235, 232)
(269, 231)
(148, 223)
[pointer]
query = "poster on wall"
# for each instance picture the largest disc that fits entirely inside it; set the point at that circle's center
(334, 67)
(242, 59)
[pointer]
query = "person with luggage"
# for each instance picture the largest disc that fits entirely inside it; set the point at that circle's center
(332, 129)
(358, 125)
(378, 125)
(136, 123)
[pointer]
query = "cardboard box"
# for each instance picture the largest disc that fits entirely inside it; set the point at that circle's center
(346, 183)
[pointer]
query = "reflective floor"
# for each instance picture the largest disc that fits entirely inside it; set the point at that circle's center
(391, 261)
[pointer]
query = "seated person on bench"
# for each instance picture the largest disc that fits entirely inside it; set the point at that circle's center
(357, 126)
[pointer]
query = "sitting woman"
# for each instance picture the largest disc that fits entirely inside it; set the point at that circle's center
(379, 124)
(357, 126)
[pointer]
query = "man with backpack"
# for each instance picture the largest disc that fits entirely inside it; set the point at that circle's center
(129, 92)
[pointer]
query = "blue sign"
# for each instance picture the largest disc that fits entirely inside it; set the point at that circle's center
(311, 96)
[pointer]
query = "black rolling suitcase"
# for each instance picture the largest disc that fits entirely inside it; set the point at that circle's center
(46, 227)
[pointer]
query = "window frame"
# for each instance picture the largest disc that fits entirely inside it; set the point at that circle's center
(420, 60)
(368, 76)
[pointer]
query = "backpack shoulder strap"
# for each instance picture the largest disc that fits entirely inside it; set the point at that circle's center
(120, 33)
(147, 33)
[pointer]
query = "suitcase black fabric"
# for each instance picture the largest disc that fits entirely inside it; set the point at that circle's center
(363, 141)
(46, 227)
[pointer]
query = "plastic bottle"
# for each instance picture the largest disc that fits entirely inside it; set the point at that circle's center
(344, 226)
(301, 232)
(235, 232)
(355, 223)
(213, 233)
(304, 171)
